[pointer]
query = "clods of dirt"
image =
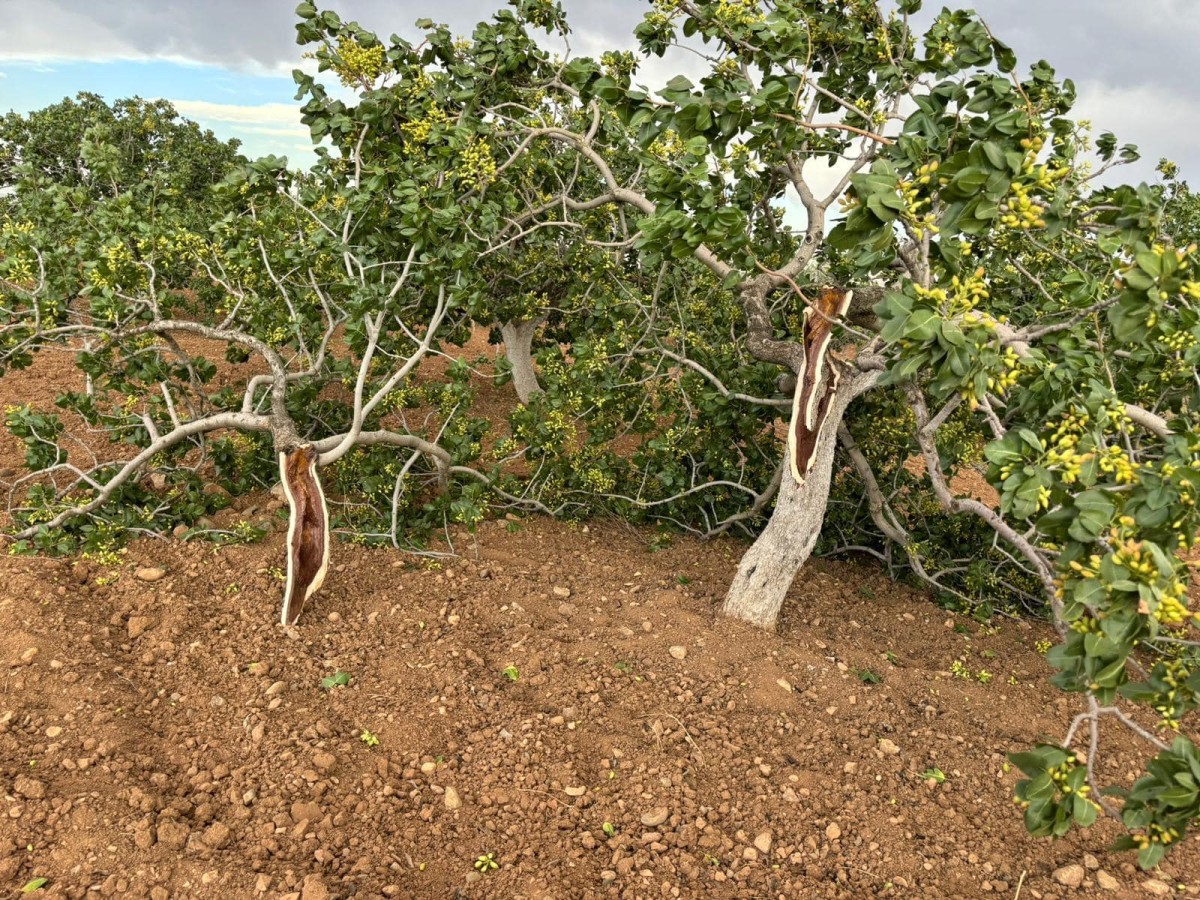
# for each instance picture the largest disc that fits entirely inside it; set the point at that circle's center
(556, 712)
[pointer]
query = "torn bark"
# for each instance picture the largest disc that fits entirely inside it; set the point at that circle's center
(817, 381)
(308, 529)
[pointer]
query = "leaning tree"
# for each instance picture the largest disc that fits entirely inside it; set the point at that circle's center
(1022, 304)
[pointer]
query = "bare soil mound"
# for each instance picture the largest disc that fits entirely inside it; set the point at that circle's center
(166, 739)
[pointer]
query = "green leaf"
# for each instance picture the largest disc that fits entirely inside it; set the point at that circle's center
(337, 679)
(923, 324)
(35, 884)
(995, 154)
(1095, 511)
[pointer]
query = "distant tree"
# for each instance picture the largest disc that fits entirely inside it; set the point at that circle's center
(141, 140)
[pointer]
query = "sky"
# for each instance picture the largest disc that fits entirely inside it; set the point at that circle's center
(227, 63)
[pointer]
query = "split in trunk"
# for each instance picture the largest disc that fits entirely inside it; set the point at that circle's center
(308, 529)
(822, 394)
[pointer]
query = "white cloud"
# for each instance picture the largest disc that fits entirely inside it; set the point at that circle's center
(1160, 124)
(263, 118)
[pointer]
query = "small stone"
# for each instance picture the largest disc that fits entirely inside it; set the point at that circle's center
(655, 817)
(850, 768)
(472, 877)
(276, 688)
(262, 884)
(314, 888)
(678, 652)
(53, 731)
(1157, 888)
(575, 791)
(136, 626)
(335, 617)
(1107, 882)
(428, 768)
(1090, 862)
(1069, 876)
(324, 761)
(785, 684)
(763, 842)
(28, 787)
(27, 658)
(306, 812)
(451, 799)
(150, 573)
(562, 592)
(750, 854)
(833, 831)
(172, 834)
(217, 835)
(608, 876)
(888, 747)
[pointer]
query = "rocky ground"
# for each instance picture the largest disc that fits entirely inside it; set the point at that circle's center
(554, 713)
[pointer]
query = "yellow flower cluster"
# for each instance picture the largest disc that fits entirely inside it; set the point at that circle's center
(1064, 446)
(418, 130)
(1061, 776)
(476, 166)
(1174, 675)
(120, 269)
(1019, 210)
(1131, 555)
(738, 13)
(667, 146)
(1178, 342)
(1157, 835)
(359, 64)
(1116, 462)
(914, 204)
(728, 68)
(962, 296)
(1172, 608)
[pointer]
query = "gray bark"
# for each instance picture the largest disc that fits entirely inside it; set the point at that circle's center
(518, 347)
(770, 565)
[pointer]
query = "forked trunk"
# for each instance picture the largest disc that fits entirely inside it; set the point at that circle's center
(518, 347)
(769, 567)
(308, 530)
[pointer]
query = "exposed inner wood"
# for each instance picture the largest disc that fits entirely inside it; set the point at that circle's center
(817, 380)
(308, 530)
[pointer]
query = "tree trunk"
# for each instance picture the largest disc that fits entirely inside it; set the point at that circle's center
(518, 346)
(770, 565)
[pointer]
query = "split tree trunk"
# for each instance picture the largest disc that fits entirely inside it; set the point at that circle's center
(769, 567)
(518, 346)
(308, 529)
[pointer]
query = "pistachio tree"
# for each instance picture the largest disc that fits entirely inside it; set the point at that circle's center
(1042, 315)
